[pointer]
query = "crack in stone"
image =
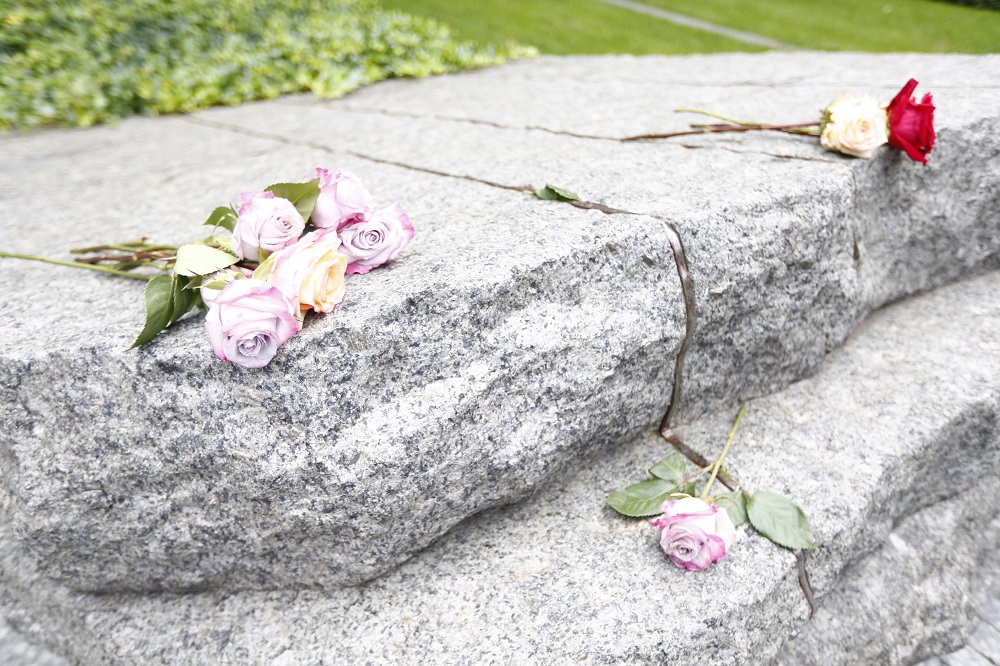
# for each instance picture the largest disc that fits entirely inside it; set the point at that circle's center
(319, 146)
(676, 247)
(474, 121)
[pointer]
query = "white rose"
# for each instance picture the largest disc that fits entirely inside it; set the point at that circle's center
(310, 272)
(855, 126)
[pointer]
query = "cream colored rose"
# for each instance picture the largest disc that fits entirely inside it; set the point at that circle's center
(311, 270)
(854, 126)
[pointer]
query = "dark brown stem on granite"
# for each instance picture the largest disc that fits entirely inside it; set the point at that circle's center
(695, 457)
(718, 129)
(807, 591)
(116, 258)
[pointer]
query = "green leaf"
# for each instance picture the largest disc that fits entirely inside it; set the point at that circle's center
(553, 193)
(781, 521)
(303, 195)
(159, 297)
(735, 504)
(265, 268)
(641, 499)
(223, 216)
(673, 468)
(184, 297)
(688, 488)
(198, 259)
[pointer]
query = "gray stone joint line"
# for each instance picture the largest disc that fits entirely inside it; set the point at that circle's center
(698, 24)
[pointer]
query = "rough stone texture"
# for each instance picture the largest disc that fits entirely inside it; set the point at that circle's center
(15, 651)
(892, 448)
(983, 642)
(512, 338)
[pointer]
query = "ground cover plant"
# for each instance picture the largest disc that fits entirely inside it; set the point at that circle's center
(81, 62)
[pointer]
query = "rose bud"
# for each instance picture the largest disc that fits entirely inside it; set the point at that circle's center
(249, 320)
(370, 243)
(854, 126)
(311, 271)
(911, 123)
(694, 534)
(265, 223)
(342, 200)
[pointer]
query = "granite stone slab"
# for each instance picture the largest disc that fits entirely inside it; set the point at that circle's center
(512, 338)
(892, 449)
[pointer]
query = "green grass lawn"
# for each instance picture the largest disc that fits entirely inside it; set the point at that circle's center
(855, 25)
(566, 26)
(590, 26)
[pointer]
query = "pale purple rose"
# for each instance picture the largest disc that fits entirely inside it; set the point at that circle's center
(694, 534)
(370, 243)
(249, 320)
(265, 222)
(342, 200)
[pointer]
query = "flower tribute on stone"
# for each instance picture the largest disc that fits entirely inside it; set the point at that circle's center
(849, 125)
(291, 247)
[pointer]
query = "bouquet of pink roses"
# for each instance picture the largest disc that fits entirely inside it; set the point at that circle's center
(291, 246)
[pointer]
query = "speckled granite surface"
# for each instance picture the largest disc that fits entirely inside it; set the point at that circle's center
(892, 448)
(512, 339)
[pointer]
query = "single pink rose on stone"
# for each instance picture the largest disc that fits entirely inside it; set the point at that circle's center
(370, 243)
(249, 320)
(694, 534)
(311, 271)
(265, 222)
(342, 200)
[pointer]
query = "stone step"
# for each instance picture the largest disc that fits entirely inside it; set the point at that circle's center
(514, 337)
(892, 448)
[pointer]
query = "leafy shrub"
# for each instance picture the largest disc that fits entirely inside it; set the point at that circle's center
(81, 62)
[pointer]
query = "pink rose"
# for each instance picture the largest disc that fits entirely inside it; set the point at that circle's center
(249, 320)
(370, 243)
(342, 200)
(265, 222)
(311, 271)
(694, 534)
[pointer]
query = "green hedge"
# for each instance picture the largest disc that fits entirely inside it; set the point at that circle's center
(81, 62)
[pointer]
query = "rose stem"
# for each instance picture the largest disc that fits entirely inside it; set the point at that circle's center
(725, 450)
(74, 264)
(731, 128)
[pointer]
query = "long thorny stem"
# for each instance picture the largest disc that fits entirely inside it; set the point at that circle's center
(733, 126)
(729, 442)
(76, 264)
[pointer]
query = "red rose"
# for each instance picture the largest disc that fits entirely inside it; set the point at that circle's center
(911, 123)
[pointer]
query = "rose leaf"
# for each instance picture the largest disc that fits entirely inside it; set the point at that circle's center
(184, 297)
(735, 504)
(641, 499)
(781, 521)
(223, 216)
(672, 468)
(197, 259)
(553, 193)
(159, 297)
(302, 195)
